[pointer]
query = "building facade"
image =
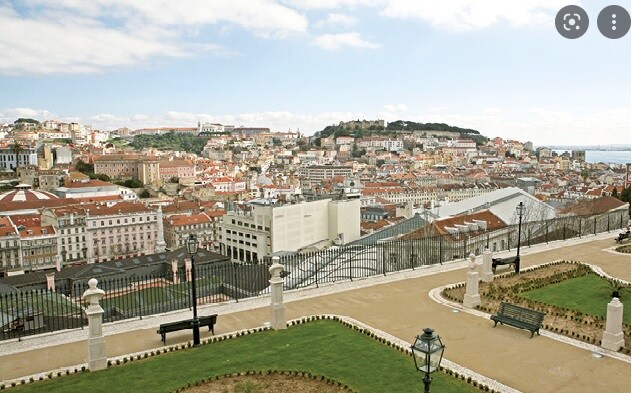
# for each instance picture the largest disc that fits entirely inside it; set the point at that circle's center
(129, 166)
(250, 235)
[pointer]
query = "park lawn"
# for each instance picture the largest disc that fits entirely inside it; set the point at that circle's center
(321, 347)
(589, 294)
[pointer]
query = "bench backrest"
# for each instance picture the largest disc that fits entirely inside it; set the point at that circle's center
(208, 319)
(521, 314)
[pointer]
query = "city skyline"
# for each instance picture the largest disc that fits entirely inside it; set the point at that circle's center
(499, 68)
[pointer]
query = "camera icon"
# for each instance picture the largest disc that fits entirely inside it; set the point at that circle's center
(571, 22)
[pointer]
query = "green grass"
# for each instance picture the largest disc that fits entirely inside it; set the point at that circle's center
(151, 297)
(321, 347)
(51, 303)
(589, 294)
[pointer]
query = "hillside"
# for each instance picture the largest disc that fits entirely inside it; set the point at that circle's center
(401, 126)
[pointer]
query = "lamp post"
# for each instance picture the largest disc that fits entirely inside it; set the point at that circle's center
(427, 353)
(63, 257)
(520, 211)
(192, 246)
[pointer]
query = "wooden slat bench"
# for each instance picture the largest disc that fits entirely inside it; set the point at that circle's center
(520, 317)
(207, 320)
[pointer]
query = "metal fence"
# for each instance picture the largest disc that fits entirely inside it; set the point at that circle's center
(33, 311)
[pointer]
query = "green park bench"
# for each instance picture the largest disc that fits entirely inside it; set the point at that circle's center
(520, 317)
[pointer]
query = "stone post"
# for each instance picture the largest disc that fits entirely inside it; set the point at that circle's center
(187, 268)
(277, 308)
(472, 298)
(174, 270)
(487, 274)
(50, 281)
(613, 336)
(94, 312)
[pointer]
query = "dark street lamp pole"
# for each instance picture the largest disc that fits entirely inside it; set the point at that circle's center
(192, 246)
(520, 211)
(427, 354)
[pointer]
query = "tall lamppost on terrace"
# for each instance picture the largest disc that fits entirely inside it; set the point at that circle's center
(192, 246)
(520, 211)
(427, 353)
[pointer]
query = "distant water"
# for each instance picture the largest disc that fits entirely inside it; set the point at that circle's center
(605, 156)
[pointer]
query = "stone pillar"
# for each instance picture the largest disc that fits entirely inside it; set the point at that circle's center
(187, 268)
(472, 298)
(160, 240)
(613, 336)
(174, 270)
(277, 308)
(487, 274)
(50, 281)
(96, 343)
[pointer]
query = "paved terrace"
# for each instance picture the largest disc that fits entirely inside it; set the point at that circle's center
(398, 304)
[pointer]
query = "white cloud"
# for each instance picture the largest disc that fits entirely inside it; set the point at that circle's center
(466, 15)
(336, 42)
(101, 34)
(12, 114)
(335, 19)
(394, 108)
(331, 4)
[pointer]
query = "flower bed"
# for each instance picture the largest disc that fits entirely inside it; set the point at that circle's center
(510, 288)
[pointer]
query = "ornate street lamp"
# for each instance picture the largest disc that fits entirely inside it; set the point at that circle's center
(192, 247)
(427, 353)
(520, 209)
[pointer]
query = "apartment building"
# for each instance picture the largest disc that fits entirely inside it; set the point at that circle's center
(179, 227)
(181, 169)
(129, 166)
(26, 156)
(313, 174)
(38, 247)
(71, 230)
(124, 230)
(258, 231)
(9, 247)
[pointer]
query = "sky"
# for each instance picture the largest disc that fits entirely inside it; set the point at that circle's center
(496, 66)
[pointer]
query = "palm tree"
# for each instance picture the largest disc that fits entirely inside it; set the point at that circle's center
(16, 148)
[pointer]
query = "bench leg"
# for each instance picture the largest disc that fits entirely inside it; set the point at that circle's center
(212, 329)
(164, 338)
(495, 323)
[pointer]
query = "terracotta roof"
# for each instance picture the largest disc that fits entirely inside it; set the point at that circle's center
(101, 198)
(26, 196)
(175, 163)
(6, 227)
(89, 183)
(193, 219)
(124, 157)
(440, 227)
(119, 208)
(37, 231)
(30, 205)
(586, 207)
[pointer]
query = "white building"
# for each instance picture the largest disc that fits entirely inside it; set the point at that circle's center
(92, 189)
(248, 236)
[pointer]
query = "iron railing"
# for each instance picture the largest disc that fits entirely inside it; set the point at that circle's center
(32, 311)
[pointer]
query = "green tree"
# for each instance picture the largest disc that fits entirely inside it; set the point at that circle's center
(84, 167)
(16, 148)
(615, 193)
(625, 195)
(174, 179)
(144, 194)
